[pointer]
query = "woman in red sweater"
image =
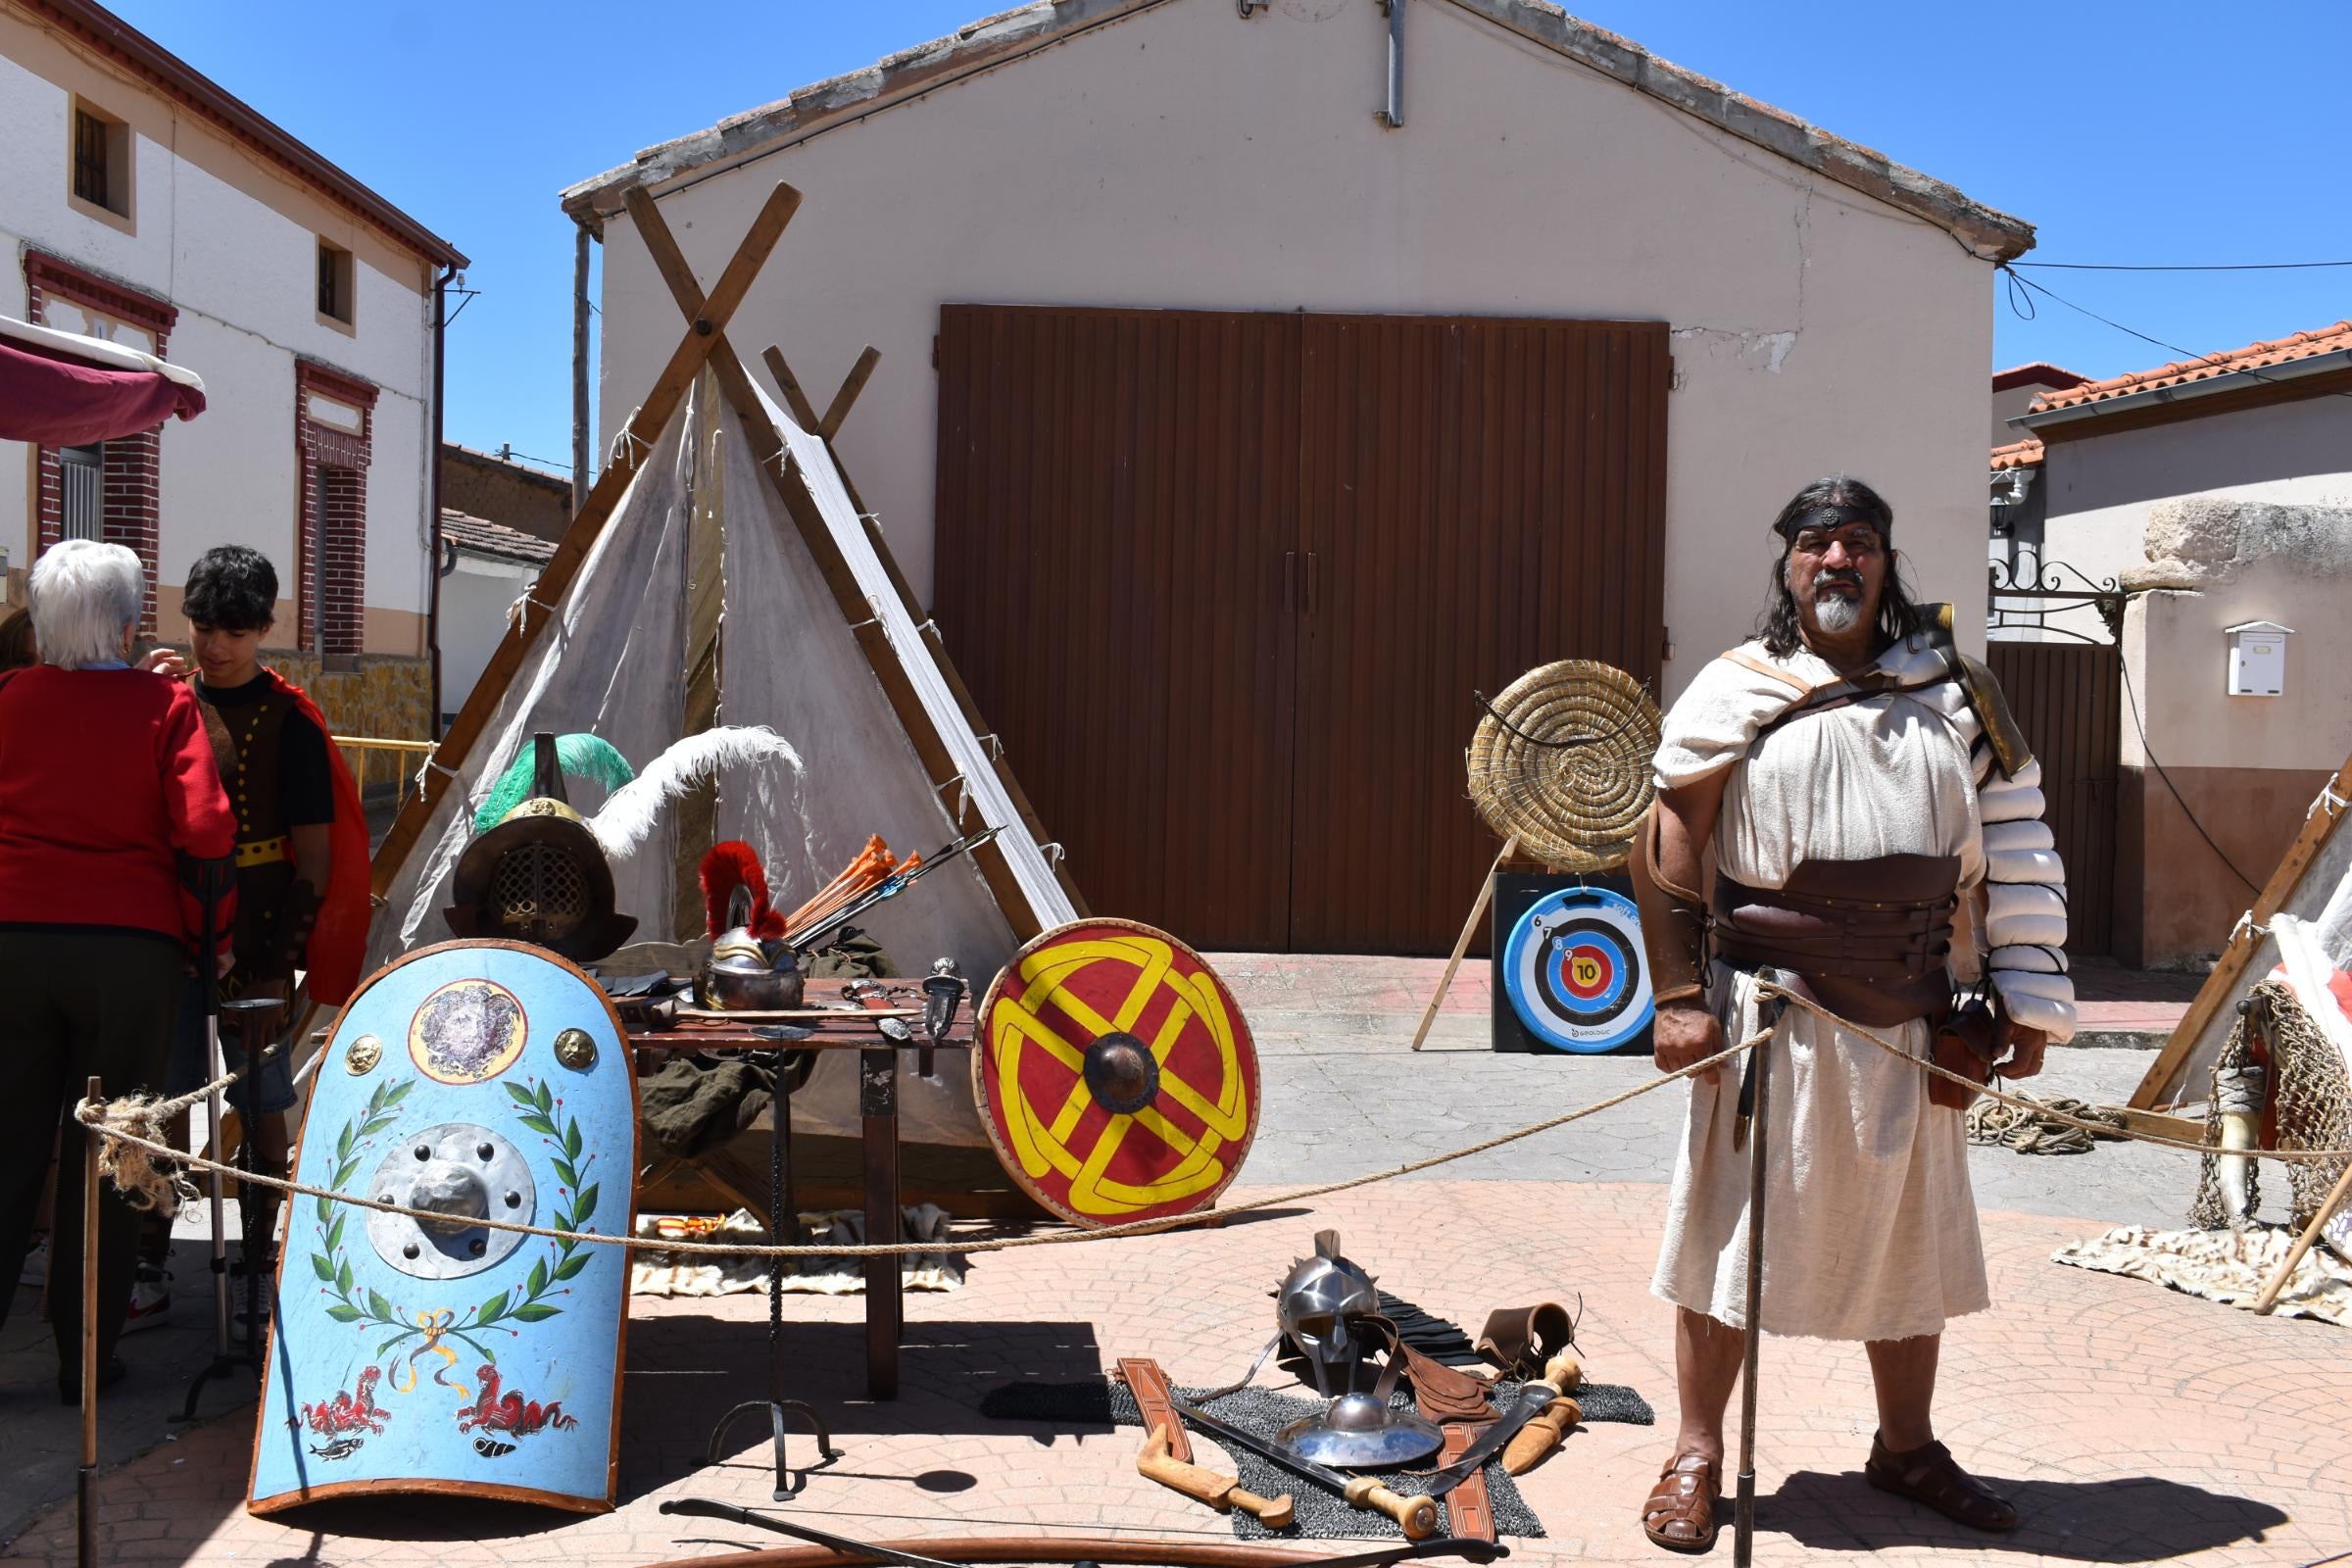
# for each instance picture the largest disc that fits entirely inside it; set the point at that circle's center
(110, 813)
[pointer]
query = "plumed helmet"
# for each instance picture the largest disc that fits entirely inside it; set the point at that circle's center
(1319, 1300)
(539, 875)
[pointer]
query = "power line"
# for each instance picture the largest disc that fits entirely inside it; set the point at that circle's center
(2185, 267)
(2217, 362)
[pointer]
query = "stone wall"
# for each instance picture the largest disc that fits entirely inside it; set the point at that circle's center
(380, 697)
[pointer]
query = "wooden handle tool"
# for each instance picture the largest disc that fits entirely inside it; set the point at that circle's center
(1545, 1430)
(1222, 1493)
(1416, 1516)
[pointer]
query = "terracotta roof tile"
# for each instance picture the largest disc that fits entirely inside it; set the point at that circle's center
(481, 537)
(2253, 357)
(2035, 373)
(2025, 454)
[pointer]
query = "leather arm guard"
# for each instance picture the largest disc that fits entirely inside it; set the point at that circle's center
(1674, 920)
(286, 941)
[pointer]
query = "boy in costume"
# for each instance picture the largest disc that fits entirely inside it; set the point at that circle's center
(302, 845)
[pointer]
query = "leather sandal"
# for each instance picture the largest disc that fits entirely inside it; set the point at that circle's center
(1931, 1475)
(1680, 1512)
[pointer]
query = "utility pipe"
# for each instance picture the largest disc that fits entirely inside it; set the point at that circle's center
(432, 503)
(1395, 117)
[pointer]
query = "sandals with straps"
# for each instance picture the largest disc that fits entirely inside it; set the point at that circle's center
(1932, 1476)
(1680, 1511)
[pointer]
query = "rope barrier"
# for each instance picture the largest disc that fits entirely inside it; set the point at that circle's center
(99, 1116)
(110, 1122)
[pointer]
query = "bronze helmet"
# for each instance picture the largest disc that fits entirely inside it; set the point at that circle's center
(539, 875)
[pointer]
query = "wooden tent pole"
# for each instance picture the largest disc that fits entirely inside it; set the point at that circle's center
(703, 335)
(770, 455)
(2269, 1297)
(2221, 985)
(774, 357)
(1461, 945)
(845, 397)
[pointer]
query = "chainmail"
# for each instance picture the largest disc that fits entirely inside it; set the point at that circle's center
(2314, 1101)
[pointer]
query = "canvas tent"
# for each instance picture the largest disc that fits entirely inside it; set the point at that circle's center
(816, 640)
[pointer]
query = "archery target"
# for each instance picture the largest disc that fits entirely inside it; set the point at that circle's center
(1573, 970)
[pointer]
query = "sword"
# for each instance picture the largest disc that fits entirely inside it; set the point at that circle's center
(1416, 1516)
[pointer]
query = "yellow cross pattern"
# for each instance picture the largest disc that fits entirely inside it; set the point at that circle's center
(1042, 1143)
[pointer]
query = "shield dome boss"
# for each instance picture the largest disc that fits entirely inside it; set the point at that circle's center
(440, 1351)
(1115, 1074)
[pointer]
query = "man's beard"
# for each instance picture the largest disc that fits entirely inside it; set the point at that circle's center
(1837, 615)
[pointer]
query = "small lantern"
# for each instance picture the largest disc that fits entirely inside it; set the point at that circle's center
(2257, 658)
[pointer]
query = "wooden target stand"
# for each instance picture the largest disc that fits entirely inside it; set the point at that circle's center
(1508, 858)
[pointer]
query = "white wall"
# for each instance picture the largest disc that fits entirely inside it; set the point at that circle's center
(475, 601)
(231, 241)
(1184, 158)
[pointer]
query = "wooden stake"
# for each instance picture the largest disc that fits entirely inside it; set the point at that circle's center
(1478, 910)
(2269, 1297)
(85, 1485)
(846, 398)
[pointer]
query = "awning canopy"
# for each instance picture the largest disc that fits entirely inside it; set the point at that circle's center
(65, 389)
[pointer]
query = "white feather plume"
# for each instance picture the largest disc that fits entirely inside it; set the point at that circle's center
(630, 813)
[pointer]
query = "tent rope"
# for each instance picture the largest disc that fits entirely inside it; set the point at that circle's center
(628, 445)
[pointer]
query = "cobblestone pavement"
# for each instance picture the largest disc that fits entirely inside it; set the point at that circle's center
(2131, 1424)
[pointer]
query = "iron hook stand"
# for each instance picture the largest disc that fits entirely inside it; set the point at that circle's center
(783, 1219)
(252, 1019)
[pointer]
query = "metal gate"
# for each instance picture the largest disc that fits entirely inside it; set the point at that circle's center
(2066, 688)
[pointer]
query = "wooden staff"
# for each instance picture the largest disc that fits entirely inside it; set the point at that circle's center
(1461, 945)
(85, 1482)
(1744, 1515)
(2311, 1233)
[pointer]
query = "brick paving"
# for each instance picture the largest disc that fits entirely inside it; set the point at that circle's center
(2130, 1423)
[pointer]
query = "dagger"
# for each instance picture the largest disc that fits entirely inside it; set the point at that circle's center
(1416, 1516)
(1534, 1398)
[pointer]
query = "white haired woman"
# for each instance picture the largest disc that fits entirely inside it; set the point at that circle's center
(110, 812)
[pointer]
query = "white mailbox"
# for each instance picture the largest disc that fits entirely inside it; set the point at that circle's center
(2258, 657)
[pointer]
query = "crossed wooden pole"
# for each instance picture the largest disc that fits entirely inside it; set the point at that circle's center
(705, 345)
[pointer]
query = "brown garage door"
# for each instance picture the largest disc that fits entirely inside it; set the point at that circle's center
(1226, 582)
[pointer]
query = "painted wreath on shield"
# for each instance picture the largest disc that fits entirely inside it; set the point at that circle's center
(536, 1107)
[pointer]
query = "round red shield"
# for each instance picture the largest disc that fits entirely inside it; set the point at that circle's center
(1114, 1074)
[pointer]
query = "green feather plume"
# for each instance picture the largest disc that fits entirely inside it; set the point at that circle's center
(581, 757)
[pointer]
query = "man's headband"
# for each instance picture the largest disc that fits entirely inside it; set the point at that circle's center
(1834, 517)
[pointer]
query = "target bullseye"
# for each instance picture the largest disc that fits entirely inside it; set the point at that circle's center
(1573, 970)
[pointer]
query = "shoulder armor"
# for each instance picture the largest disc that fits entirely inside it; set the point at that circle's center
(2010, 751)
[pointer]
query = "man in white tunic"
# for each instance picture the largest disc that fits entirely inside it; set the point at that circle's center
(1874, 821)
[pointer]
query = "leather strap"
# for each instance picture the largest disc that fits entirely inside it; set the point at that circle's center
(1153, 1396)
(263, 851)
(1442, 1393)
(1518, 1340)
(1469, 1511)
(1674, 920)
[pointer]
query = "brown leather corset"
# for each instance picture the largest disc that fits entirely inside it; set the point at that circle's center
(1869, 938)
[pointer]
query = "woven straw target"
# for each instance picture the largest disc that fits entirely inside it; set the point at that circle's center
(1562, 759)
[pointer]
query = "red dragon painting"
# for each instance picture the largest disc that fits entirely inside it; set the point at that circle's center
(348, 1412)
(512, 1413)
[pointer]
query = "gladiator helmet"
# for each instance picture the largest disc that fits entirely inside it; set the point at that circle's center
(539, 875)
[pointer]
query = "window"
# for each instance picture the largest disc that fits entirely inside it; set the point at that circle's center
(334, 433)
(100, 162)
(334, 283)
(82, 486)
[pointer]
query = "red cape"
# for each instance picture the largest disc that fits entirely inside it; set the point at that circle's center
(338, 947)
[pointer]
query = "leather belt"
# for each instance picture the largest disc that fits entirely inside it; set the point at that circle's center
(264, 852)
(1869, 938)
(1469, 1511)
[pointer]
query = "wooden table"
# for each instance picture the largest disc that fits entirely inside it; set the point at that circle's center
(837, 1023)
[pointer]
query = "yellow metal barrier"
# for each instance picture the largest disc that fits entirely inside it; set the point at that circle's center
(365, 746)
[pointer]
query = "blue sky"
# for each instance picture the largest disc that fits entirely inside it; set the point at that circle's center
(2153, 132)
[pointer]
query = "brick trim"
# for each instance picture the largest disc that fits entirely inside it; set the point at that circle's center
(336, 462)
(130, 475)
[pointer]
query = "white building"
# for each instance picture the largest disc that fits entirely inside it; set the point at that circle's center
(1238, 414)
(141, 202)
